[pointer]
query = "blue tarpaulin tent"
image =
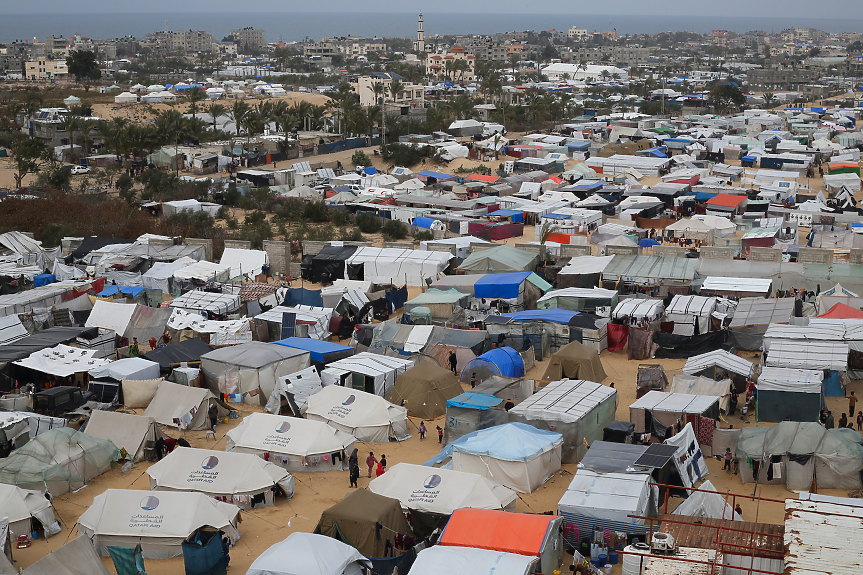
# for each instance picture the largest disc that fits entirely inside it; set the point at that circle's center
(440, 176)
(370, 171)
(422, 222)
(203, 554)
(320, 351)
(472, 400)
(553, 315)
(125, 290)
(302, 296)
(516, 215)
(503, 361)
(43, 280)
(504, 285)
(702, 197)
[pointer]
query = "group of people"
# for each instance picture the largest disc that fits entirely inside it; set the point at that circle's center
(371, 462)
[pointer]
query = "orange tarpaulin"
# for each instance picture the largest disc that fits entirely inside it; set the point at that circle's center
(842, 311)
(519, 533)
(726, 200)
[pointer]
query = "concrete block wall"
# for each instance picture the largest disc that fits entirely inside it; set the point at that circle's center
(279, 254)
(574, 251)
(622, 250)
(815, 256)
(399, 245)
(765, 255)
(433, 247)
(207, 243)
(669, 251)
(238, 244)
(856, 256)
(714, 253)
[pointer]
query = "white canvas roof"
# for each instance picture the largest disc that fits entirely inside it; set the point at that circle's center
(309, 554)
(244, 262)
(580, 293)
(127, 431)
(127, 368)
(219, 303)
(609, 496)
(174, 401)
(710, 505)
(674, 402)
(586, 265)
(698, 385)
(691, 305)
(75, 558)
(441, 491)
(762, 311)
(638, 308)
(365, 416)
(300, 385)
(721, 358)
(251, 366)
(11, 329)
(110, 315)
(793, 380)
(320, 315)
(399, 267)
(216, 473)
(384, 369)
(440, 560)
(181, 319)
(262, 432)
(689, 468)
(158, 276)
(22, 506)
(158, 521)
(204, 271)
(62, 361)
(808, 355)
(567, 400)
(754, 285)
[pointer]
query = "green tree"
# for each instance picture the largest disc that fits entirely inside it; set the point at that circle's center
(359, 158)
(724, 96)
(125, 187)
(83, 65)
(215, 110)
(394, 230)
(28, 155)
(195, 95)
(368, 223)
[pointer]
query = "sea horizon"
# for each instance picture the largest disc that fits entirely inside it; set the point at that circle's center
(296, 26)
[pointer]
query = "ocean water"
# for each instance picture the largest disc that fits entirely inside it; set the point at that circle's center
(297, 25)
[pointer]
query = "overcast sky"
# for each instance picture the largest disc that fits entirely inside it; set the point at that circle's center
(827, 9)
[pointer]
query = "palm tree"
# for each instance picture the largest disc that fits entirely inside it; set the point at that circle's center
(462, 106)
(195, 95)
(237, 113)
(396, 88)
(215, 110)
(70, 123)
(88, 126)
(513, 61)
(378, 89)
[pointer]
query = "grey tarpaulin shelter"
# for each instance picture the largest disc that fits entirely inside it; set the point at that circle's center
(719, 364)
(134, 433)
(369, 372)
(752, 317)
(469, 412)
(789, 393)
(578, 409)
(78, 557)
(657, 410)
(182, 406)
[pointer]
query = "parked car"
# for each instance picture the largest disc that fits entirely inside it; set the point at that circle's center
(59, 400)
(80, 170)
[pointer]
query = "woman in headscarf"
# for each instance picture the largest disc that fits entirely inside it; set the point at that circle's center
(354, 467)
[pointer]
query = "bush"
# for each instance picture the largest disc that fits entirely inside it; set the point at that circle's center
(360, 159)
(394, 230)
(316, 212)
(423, 236)
(368, 223)
(351, 236)
(340, 216)
(403, 154)
(125, 187)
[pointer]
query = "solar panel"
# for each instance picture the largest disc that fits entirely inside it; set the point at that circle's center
(289, 323)
(657, 455)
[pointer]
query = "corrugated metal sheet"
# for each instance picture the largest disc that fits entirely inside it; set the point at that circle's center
(815, 332)
(725, 360)
(643, 268)
(823, 538)
(755, 285)
(763, 311)
(655, 565)
(808, 355)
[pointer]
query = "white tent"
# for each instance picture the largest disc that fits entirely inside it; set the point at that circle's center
(75, 558)
(182, 406)
(159, 276)
(723, 227)
(127, 431)
(321, 317)
(638, 311)
(127, 368)
(295, 444)
(244, 262)
(366, 416)
(157, 521)
(698, 385)
(725, 361)
(376, 372)
(126, 98)
(204, 271)
(441, 491)
(689, 462)
(668, 408)
(139, 393)
(703, 503)
(204, 301)
(194, 322)
(690, 314)
(24, 508)
(606, 501)
(397, 266)
(110, 315)
(295, 388)
(515, 455)
(237, 476)
(252, 368)
(62, 361)
(439, 560)
(309, 554)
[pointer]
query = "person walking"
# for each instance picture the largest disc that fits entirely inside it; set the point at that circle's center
(453, 362)
(380, 470)
(843, 421)
(422, 430)
(383, 461)
(440, 434)
(727, 464)
(829, 423)
(473, 380)
(134, 350)
(860, 421)
(354, 467)
(370, 461)
(852, 404)
(213, 413)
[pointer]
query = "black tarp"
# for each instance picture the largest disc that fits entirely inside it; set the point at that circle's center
(39, 341)
(331, 260)
(176, 353)
(683, 346)
(92, 243)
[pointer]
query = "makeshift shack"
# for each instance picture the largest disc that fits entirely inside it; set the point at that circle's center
(720, 364)
(498, 259)
(578, 409)
(690, 313)
(134, 433)
(792, 394)
(251, 368)
(366, 416)
(502, 361)
(574, 361)
(172, 356)
(707, 503)
(579, 299)
(321, 353)
(396, 266)
(368, 372)
(445, 306)
(469, 412)
(544, 330)
(657, 411)
(328, 265)
(183, 407)
(424, 390)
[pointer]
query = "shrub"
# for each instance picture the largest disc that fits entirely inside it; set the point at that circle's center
(394, 230)
(402, 154)
(368, 223)
(353, 235)
(360, 159)
(423, 236)
(316, 212)
(125, 187)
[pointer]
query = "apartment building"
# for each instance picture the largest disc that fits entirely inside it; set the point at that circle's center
(45, 69)
(443, 65)
(411, 94)
(182, 41)
(618, 55)
(579, 34)
(780, 78)
(249, 40)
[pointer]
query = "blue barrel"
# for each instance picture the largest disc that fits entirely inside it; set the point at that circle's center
(602, 559)
(612, 557)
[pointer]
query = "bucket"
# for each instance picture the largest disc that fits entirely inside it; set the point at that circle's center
(612, 557)
(607, 568)
(602, 559)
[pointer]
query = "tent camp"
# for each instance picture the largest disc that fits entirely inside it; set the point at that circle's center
(331, 261)
(424, 390)
(369, 372)
(518, 288)
(245, 262)
(469, 412)
(129, 320)
(244, 479)
(295, 444)
(431, 495)
(539, 536)
(698, 385)
(707, 502)
(26, 511)
(502, 361)
(579, 299)
(171, 356)
(293, 391)
(502, 258)
(595, 501)
(366, 416)
(127, 368)
(751, 318)
(251, 368)
(182, 406)
(78, 557)
(438, 560)
(690, 314)
(315, 319)
(793, 394)
(309, 554)
(578, 409)
(719, 364)
(516, 455)
(444, 305)
(396, 266)
(354, 520)
(804, 451)
(574, 361)
(134, 433)
(157, 521)
(656, 411)
(61, 459)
